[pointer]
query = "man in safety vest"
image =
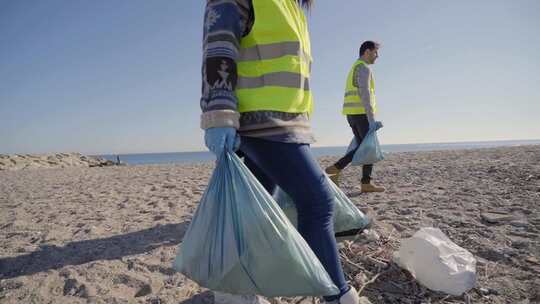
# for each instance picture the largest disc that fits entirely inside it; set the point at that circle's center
(360, 107)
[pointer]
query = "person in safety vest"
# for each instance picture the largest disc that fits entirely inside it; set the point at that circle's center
(256, 97)
(360, 107)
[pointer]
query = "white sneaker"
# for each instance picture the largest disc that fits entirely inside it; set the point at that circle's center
(227, 298)
(350, 297)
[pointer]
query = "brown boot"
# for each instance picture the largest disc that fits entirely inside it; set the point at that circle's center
(332, 170)
(334, 178)
(333, 174)
(371, 188)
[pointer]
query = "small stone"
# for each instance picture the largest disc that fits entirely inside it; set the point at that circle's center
(405, 211)
(483, 291)
(496, 218)
(532, 259)
(399, 227)
(491, 254)
(155, 300)
(143, 291)
(507, 251)
(130, 264)
(74, 288)
(519, 223)
(493, 291)
(520, 244)
(69, 286)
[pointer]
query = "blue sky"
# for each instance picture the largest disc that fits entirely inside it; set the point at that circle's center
(124, 76)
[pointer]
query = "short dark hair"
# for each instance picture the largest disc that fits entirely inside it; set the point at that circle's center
(368, 45)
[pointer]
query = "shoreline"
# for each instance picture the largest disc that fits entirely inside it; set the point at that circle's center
(62, 160)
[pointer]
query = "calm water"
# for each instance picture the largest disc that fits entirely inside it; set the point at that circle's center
(194, 157)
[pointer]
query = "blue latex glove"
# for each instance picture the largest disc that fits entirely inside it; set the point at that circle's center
(376, 125)
(218, 139)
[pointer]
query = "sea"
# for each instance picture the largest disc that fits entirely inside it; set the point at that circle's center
(205, 156)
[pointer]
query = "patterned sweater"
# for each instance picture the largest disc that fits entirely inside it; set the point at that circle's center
(225, 23)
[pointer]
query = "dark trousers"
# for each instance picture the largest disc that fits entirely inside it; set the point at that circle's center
(294, 169)
(360, 127)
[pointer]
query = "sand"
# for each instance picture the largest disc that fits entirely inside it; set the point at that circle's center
(110, 234)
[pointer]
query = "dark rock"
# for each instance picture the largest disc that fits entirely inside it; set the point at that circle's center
(405, 211)
(145, 289)
(399, 227)
(73, 288)
(487, 291)
(519, 243)
(491, 254)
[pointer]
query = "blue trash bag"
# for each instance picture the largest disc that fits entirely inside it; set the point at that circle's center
(369, 151)
(240, 241)
(348, 219)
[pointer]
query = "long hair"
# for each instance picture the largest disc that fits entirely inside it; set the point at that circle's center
(306, 3)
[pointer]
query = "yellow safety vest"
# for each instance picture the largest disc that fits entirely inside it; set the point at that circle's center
(274, 63)
(352, 102)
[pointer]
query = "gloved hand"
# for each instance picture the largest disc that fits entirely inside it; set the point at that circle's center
(376, 125)
(217, 139)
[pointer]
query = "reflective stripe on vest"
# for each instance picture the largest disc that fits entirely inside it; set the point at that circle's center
(274, 60)
(271, 51)
(279, 79)
(352, 101)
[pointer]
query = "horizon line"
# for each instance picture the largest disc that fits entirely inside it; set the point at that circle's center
(313, 146)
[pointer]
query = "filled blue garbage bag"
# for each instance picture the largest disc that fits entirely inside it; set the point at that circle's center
(240, 241)
(348, 219)
(369, 151)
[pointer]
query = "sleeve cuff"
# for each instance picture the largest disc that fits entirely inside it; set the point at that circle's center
(220, 119)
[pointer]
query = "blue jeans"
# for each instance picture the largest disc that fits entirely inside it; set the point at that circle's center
(294, 169)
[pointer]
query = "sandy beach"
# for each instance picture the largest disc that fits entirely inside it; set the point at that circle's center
(109, 234)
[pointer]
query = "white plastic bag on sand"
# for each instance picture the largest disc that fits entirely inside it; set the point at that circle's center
(436, 262)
